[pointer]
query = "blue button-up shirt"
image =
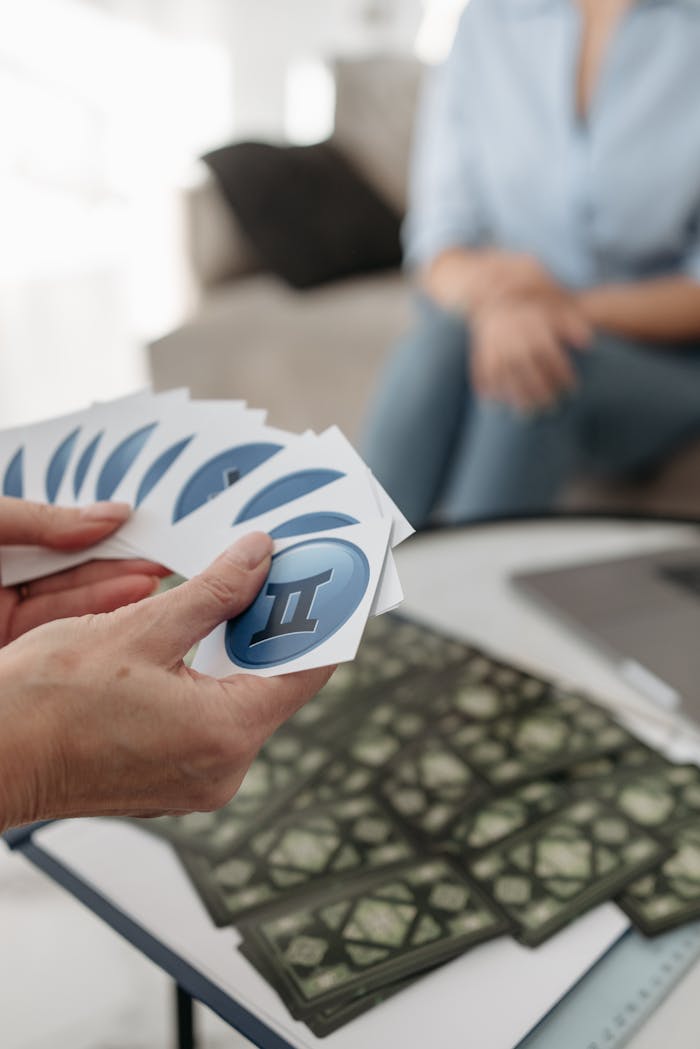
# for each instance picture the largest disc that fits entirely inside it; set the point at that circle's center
(502, 157)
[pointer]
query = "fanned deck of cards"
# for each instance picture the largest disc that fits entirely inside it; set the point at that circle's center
(430, 798)
(199, 475)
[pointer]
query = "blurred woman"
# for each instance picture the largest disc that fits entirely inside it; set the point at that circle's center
(554, 235)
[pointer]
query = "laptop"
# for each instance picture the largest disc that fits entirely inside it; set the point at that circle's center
(643, 611)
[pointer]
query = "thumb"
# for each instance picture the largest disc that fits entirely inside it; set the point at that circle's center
(56, 527)
(170, 624)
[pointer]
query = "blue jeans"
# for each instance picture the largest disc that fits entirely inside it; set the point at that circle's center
(436, 447)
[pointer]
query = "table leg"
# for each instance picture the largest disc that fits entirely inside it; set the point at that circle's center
(186, 1038)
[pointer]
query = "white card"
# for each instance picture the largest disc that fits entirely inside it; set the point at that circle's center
(311, 610)
(52, 448)
(125, 437)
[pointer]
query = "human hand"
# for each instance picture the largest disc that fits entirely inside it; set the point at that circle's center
(509, 274)
(520, 356)
(469, 279)
(100, 716)
(100, 586)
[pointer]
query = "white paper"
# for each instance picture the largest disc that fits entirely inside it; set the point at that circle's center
(490, 998)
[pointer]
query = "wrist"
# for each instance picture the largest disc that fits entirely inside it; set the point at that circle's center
(27, 759)
(589, 303)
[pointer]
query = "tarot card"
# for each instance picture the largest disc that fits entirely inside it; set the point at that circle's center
(550, 874)
(482, 690)
(109, 441)
(428, 785)
(565, 730)
(287, 762)
(306, 465)
(308, 850)
(188, 549)
(124, 432)
(372, 931)
(338, 780)
(173, 437)
(657, 798)
(385, 727)
(12, 452)
(635, 755)
(311, 611)
(199, 496)
(496, 817)
(670, 895)
(34, 458)
(393, 647)
(326, 1021)
(52, 449)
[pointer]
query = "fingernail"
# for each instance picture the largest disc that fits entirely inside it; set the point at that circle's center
(156, 584)
(253, 549)
(106, 512)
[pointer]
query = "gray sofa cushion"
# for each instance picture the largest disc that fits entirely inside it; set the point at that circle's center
(375, 110)
(312, 359)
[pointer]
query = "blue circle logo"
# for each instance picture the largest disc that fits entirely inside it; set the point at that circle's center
(312, 590)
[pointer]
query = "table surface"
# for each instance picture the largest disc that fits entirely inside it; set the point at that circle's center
(460, 581)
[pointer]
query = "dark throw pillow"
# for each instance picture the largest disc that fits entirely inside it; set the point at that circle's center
(310, 216)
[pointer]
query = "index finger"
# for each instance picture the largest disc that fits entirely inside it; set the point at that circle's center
(57, 527)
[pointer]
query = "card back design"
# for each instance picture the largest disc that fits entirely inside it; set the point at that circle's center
(669, 896)
(428, 786)
(375, 932)
(557, 869)
(307, 850)
(657, 798)
(498, 817)
(554, 734)
(284, 765)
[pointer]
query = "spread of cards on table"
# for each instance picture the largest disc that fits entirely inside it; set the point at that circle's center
(429, 799)
(199, 475)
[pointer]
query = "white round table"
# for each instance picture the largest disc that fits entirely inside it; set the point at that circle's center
(460, 581)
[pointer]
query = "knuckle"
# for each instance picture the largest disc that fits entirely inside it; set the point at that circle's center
(221, 592)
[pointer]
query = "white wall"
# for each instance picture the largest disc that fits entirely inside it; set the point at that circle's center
(103, 105)
(266, 38)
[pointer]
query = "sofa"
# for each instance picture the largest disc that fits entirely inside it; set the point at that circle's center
(312, 357)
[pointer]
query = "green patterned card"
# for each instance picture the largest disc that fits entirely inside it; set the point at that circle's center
(670, 895)
(499, 816)
(303, 850)
(373, 932)
(284, 765)
(634, 756)
(551, 736)
(428, 786)
(656, 797)
(551, 873)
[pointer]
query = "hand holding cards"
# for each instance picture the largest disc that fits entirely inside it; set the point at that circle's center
(199, 475)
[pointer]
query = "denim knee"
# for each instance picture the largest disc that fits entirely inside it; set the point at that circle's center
(437, 345)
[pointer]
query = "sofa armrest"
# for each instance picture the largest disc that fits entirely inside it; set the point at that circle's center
(217, 247)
